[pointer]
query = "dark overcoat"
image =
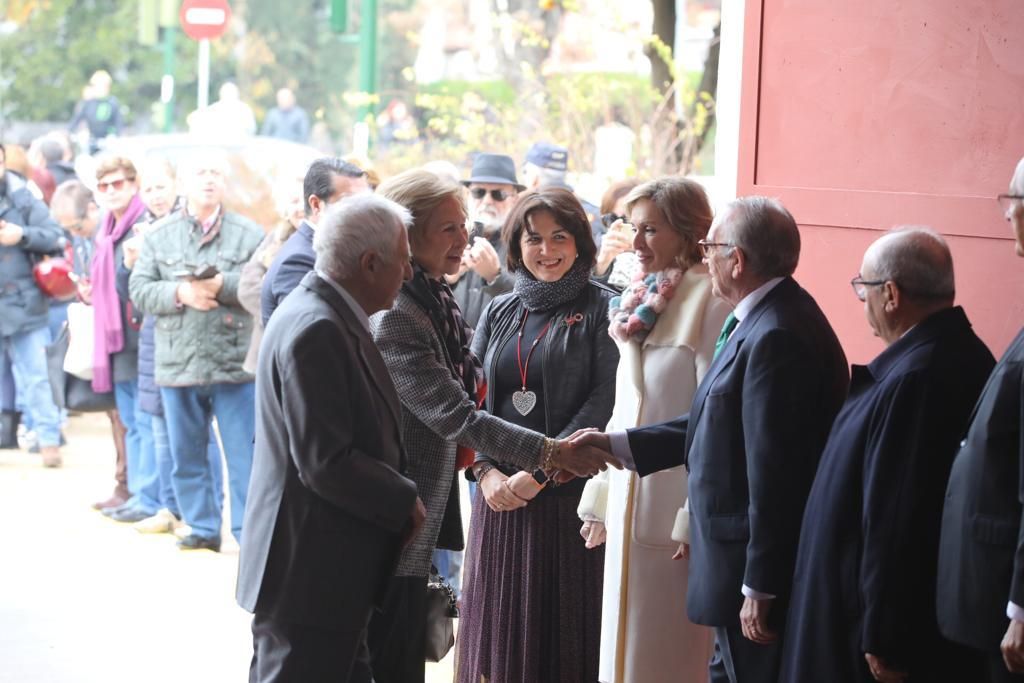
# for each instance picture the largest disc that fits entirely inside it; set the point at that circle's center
(865, 572)
(981, 555)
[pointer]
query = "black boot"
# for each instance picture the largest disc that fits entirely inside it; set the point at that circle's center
(9, 420)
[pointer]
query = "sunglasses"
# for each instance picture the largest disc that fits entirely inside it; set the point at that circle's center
(116, 185)
(479, 193)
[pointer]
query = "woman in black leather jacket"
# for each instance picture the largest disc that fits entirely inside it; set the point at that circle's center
(532, 591)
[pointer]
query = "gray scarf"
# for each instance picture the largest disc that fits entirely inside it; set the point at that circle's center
(543, 296)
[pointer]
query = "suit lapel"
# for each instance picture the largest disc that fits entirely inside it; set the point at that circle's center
(729, 352)
(372, 361)
(718, 365)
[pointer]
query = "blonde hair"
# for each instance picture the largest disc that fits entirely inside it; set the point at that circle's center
(685, 207)
(420, 192)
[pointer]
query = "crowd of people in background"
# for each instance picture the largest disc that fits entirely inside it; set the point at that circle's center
(339, 375)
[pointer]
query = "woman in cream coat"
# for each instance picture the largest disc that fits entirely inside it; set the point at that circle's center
(665, 324)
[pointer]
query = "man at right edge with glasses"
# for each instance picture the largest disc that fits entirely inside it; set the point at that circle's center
(980, 595)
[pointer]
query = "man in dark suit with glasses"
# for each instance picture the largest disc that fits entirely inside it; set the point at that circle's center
(981, 552)
(751, 440)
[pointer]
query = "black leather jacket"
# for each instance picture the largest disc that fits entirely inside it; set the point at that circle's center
(579, 359)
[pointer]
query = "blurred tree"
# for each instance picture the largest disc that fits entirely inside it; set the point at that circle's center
(60, 43)
(290, 45)
(396, 51)
(664, 30)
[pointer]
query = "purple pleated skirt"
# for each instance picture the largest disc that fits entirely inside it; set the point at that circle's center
(531, 603)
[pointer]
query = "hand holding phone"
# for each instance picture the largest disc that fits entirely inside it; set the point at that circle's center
(194, 295)
(205, 272)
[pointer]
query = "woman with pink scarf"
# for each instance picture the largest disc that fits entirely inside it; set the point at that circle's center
(116, 326)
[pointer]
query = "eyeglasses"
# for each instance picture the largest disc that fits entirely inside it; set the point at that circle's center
(479, 193)
(115, 185)
(609, 218)
(1006, 201)
(860, 286)
(708, 248)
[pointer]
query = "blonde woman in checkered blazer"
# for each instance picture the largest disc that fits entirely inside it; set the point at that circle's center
(425, 345)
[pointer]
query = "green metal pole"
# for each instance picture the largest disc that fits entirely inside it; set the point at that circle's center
(368, 54)
(169, 35)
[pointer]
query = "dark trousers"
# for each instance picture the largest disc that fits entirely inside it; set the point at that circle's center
(396, 632)
(738, 660)
(992, 669)
(285, 652)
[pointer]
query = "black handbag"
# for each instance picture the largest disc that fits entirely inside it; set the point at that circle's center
(441, 610)
(70, 392)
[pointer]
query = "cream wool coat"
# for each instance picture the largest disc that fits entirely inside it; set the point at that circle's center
(645, 635)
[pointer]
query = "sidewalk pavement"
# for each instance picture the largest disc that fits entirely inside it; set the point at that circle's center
(85, 599)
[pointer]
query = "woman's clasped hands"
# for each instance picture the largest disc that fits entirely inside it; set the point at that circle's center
(503, 493)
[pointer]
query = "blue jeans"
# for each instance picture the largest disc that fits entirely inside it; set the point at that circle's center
(159, 489)
(188, 411)
(28, 358)
(8, 393)
(58, 316)
(125, 394)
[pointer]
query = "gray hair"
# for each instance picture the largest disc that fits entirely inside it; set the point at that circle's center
(203, 159)
(51, 150)
(157, 164)
(766, 233)
(917, 259)
(354, 226)
(547, 177)
(74, 195)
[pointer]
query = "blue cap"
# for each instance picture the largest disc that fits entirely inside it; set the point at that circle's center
(547, 155)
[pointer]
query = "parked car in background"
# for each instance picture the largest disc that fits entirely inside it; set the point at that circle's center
(258, 165)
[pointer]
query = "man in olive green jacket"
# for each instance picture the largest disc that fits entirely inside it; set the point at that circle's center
(187, 276)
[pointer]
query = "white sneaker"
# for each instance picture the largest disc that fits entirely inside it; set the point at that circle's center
(163, 522)
(27, 439)
(182, 530)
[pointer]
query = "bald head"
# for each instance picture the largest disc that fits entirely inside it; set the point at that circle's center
(285, 98)
(1017, 182)
(1015, 209)
(917, 259)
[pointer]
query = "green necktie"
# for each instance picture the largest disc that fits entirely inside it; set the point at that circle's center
(730, 324)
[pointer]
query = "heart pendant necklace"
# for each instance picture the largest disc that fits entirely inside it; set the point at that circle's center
(525, 400)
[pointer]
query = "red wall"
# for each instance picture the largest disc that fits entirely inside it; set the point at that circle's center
(861, 116)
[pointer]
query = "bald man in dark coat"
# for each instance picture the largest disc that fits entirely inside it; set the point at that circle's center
(863, 603)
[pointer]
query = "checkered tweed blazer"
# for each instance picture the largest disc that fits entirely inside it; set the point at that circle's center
(437, 414)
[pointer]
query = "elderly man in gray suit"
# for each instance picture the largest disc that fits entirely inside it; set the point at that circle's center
(329, 508)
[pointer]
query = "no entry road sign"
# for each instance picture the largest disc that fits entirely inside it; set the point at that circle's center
(204, 19)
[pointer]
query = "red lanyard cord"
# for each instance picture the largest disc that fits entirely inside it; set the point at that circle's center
(523, 369)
